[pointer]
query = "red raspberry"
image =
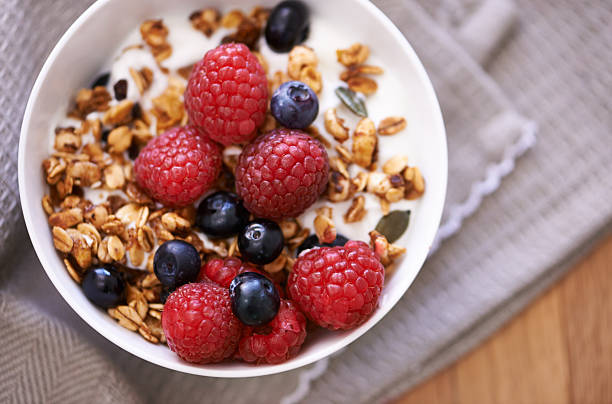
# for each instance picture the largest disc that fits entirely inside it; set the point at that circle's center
(222, 271)
(227, 94)
(337, 287)
(277, 341)
(199, 324)
(281, 174)
(177, 167)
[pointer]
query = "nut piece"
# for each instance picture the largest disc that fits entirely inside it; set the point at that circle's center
(300, 57)
(335, 125)
(119, 114)
(168, 108)
(89, 231)
(385, 251)
(97, 216)
(415, 183)
(395, 165)
(113, 225)
(155, 33)
(81, 250)
(391, 125)
(339, 187)
(174, 223)
(394, 195)
(90, 100)
(66, 140)
(378, 183)
(362, 84)
(61, 240)
(312, 78)
(356, 211)
(206, 20)
(364, 143)
(66, 218)
(360, 181)
(356, 54)
(232, 19)
(324, 227)
(248, 33)
(54, 169)
(84, 173)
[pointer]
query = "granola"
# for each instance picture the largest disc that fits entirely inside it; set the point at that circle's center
(98, 214)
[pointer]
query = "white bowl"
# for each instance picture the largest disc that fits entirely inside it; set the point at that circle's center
(91, 41)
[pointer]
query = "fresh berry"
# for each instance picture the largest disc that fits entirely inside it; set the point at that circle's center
(104, 287)
(287, 26)
(281, 174)
(177, 167)
(337, 287)
(176, 263)
(221, 215)
(277, 341)
(255, 300)
(198, 323)
(294, 105)
(313, 241)
(227, 94)
(222, 271)
(261, 241)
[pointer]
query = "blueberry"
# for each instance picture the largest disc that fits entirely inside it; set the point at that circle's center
(294, 105)
(255, 300)
(104, 287)
(313, 241)
(221, 215)
(287, 26)
(176, 263)
(261, 241)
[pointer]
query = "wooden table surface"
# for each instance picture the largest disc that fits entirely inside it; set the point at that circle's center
(559, 350)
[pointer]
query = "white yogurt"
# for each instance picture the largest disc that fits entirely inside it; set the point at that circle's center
(189, 46)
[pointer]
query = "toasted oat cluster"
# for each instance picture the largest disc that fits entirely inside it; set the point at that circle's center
(99, 215)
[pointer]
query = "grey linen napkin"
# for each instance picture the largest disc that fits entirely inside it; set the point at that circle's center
(485, 136)
(504, 254)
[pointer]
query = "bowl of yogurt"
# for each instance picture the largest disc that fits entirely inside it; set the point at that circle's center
(379, 122)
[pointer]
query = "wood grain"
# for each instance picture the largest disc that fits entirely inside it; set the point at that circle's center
(559, 350)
